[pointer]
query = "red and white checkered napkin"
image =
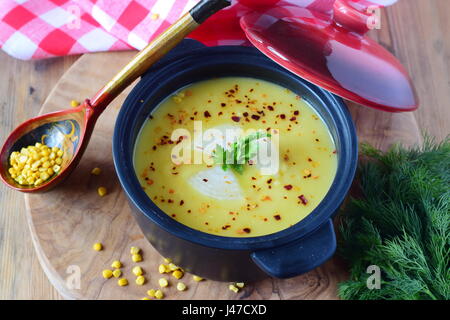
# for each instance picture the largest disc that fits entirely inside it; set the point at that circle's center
(34, 29)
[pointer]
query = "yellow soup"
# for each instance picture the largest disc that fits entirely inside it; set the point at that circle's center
(179, 171)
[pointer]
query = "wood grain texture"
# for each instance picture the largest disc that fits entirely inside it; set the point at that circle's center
(416, 31)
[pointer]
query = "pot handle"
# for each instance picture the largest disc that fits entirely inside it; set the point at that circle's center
(299, 256)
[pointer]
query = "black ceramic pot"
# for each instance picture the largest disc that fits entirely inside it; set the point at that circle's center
(284, 254)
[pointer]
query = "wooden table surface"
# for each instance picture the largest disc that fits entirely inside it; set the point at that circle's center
(416, 31)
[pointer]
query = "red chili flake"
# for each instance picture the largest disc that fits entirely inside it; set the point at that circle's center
(195, 113)
(288, 187)
(253, 178)
(251, 90)
(282, 116)
(310, 160)
(174, 215)
(296, 113)
(154, 148)
(150, 117)
(277, 217)
(192, 118)
(170, 201)
(269, 181)
(205, 180)
(293, 119)
(207, 114)
(238, 101)
(303, 199)
(247, 230)
(206, 223)
(255, 117)
(189, 211)
(235, 119)
(225, 227)
(220, 113)
(335, 151)
(181, 202)
(209, 101)
(223, 104)
(270, 108)
(245, 114)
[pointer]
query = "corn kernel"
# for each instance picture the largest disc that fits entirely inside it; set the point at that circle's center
(155, 16)
(101, 191)
(116, 264)
(233, 288)
(140, 280)
(96, 171)
(137, 271)
(163, 282)
(167, 260)
(163, 268)
(197, 278)
(117, 273)
(74, 103)
(181, 286)
(151, 293)
(136, 257)
(159, 294)
(173, 267)
(240, 284)
(135, 250)
(177, 274)
(122, 282)
(145, 298)
(107, 274)
(97, 246)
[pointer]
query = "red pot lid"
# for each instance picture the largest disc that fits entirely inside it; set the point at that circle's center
(333, 52)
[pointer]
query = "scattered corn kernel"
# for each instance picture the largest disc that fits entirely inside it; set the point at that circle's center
(163, 282)
(140, 280)
(163, 268)
(31, 165)
(159, 294)
(137, 271)
(145, 298)
(197, 278)
(136, 257)
(102, 191)
(233, 288)
(96, 171)
(74, 103)
(107, 274)
(240, 284)
(173, 267)
(151, 293)
(116, 264)
(117, 273)
(181, 286)
(135, 250)
(97, 246)
(155, 16)
(122, 282)
(177, 274)
(167, 260)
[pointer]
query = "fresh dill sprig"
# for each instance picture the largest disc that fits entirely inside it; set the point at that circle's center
(239, 153)
(401, 223)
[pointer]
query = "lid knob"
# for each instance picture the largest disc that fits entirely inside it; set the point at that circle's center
(351, 16)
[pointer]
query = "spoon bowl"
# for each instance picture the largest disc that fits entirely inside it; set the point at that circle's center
(67, 130)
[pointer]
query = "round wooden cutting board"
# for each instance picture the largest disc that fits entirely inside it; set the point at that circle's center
(67, 221)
